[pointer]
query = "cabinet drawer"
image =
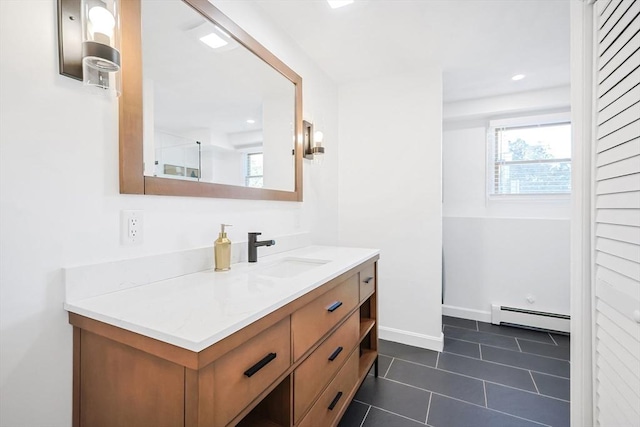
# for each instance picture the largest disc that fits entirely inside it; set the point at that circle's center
(315, 372)
(367, 281)
(315, 319)
(246, 371)
(326, 409)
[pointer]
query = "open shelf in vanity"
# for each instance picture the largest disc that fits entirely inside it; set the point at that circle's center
(299, 365)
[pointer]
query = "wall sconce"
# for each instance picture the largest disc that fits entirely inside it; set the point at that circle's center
(89, 42)
(313, 149)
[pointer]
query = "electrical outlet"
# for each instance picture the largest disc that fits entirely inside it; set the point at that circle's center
(131, 226)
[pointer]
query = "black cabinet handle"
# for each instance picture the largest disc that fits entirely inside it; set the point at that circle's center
(334, 402)
(335, 354)
(334, 306)
(261, 364)
(368, 279)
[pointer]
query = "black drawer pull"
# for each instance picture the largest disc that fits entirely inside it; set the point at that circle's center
(368, 279)
(335, 354)
(261, 364)
(334, 402)
(334, 306)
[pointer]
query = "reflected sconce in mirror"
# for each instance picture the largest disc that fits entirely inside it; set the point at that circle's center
(313, 149)
(89, 43)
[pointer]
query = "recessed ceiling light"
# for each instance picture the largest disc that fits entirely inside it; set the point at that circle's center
(213, 40)
(518, 77)
(338, 3)
(213, 36)
(251, 121)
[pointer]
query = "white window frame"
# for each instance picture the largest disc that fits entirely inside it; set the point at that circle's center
(246, 167)
(520, 121)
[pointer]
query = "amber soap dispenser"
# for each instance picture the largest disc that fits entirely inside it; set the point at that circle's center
(222, 250)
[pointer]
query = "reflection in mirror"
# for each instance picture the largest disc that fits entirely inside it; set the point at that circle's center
(213, 111)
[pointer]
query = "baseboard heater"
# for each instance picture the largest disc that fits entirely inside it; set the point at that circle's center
(530, 319)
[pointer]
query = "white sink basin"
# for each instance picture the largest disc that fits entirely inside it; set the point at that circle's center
(291, 267)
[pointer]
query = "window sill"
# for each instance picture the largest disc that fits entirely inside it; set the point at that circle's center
(530, 198)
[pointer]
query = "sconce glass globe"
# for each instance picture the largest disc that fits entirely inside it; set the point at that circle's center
(101, 45)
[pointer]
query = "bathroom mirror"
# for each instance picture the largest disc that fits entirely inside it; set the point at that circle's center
(205, 109)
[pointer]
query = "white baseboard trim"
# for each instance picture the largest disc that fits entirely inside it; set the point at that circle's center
(466, 313)
(411, 338)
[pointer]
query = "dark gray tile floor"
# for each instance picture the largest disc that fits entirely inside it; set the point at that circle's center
(487, 375)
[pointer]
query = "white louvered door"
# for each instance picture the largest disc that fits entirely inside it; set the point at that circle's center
(617, 214)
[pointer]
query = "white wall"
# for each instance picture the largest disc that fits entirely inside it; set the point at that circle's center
(223, 166)
(499, 251)
(278, 129)
(390, 196)
(60, 206)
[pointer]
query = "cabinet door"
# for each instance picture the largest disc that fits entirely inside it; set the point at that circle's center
(122, 386)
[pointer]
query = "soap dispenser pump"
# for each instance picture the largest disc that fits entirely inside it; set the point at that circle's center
(222, 250)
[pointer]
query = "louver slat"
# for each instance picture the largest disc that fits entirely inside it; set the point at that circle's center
(617, 213)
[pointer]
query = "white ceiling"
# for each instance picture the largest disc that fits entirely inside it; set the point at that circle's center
(196, 87)
(479, 44)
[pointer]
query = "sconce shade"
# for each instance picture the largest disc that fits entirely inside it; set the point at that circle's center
(89, 42)
(312, 141)
(318, 137)
(101, 44)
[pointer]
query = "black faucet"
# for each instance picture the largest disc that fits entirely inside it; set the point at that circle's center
(254, 244)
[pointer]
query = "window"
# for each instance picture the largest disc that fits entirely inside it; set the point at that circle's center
(254, 170)
(530, 156)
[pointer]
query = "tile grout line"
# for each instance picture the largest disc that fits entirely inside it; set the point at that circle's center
(365, 415)
(504, 385)
(459, 327)
(519, 348)
(452, 398)
(437, 359)
(484, 388)
(488, 361)
(388, 367)
(480, 348)
(386, 410)
(552, 339)
(426, 420)
(473, 378)
(508, 349)
(477, 326)
(506, 336)
(534, 382)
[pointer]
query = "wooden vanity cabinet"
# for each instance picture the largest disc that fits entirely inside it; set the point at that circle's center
(300, 365)
(246, 371)
(312, 376)
(314, 320)
(334, 399)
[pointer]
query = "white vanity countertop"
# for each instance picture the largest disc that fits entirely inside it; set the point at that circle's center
(197, 310)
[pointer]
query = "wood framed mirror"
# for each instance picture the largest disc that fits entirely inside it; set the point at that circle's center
(168, 144)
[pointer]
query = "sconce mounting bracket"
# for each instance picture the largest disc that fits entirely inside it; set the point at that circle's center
(70, 39)
(307, 139)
